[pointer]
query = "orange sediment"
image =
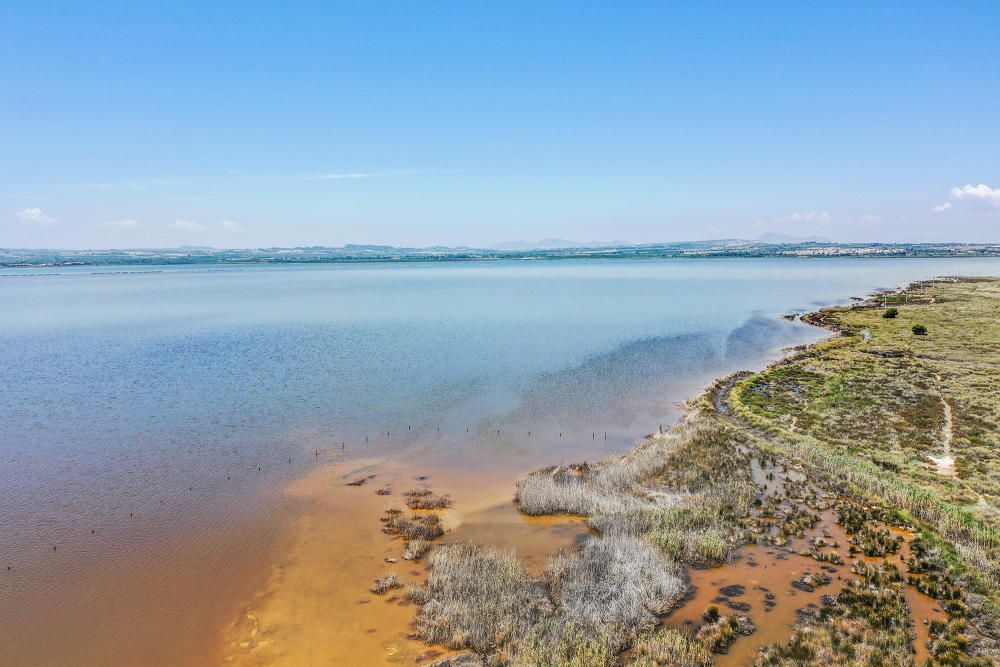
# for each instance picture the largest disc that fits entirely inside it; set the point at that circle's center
(316, 607)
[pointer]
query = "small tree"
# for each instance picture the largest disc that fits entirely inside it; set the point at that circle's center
(919, 330)
(890, 313)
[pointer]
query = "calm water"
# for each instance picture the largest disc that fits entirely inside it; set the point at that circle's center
(139, 406)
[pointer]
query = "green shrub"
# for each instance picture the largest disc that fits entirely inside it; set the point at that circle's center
(919, 330)
(890, 313)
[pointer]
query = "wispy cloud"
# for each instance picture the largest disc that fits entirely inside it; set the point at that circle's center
(231, 226)
(798, 218)
(35, 217)
(126, 224)
(187, 226)
(797, 222)
(353, 175)
(974, 196)
(138, 184)
(339, 176)
(808, 217)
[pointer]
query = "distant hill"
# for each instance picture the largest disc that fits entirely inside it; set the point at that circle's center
(785, 238)
(556, 244)
(770, 245)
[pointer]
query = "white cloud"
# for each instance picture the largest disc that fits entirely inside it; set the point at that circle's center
(127, 223)
(187, 226)
(971, 196)
(231, 226)
(36, 217)
(981, 191)
(806, 217)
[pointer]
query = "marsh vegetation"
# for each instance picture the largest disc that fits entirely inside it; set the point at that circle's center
(821, 459)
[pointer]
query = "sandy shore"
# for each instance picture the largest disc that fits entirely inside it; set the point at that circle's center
(316, 607)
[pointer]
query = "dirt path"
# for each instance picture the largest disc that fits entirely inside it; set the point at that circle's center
(945, 464)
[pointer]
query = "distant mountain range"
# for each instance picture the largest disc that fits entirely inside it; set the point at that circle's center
(785, 238)
(770, 245)
(557, 244)
(561, 244)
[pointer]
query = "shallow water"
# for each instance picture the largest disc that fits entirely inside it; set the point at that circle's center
(152, 419)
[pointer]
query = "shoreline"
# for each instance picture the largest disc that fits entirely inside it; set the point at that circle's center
(265, 623)
(22, 270)
(389, 635)
(717, 396)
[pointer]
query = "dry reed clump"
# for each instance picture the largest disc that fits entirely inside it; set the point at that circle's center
(585, 608)
(703, 528)
(386, 583)
(585, 490)
(417, 594)
(700, 529)
(695, 522)
(677, 532)
(720, 631)
(416, 549)
(555, 643)
(417, 526)
(615, 580)
(551, 491)
(687, 458)
(466, 659)
(702, 548)
(669, 648)
(676, 497)
(426, 500)
(479, 598)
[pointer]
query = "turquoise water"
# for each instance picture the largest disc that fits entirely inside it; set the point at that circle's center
(181, 395)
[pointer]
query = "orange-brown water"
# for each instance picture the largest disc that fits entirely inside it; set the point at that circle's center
(765, 570)
(303, 598)
(151, 608)
(316, 607)
(759, 571)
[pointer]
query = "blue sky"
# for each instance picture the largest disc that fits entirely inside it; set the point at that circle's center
(416, 123)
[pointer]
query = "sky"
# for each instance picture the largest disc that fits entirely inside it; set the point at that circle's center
(251, 124)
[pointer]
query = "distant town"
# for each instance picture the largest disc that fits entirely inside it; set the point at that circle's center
(552, 250)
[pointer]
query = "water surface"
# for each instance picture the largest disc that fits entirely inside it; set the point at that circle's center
(150, 417)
